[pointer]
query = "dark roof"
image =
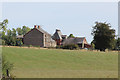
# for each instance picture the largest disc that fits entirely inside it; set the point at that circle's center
(76, 40)
(57, 35)
(64, 35)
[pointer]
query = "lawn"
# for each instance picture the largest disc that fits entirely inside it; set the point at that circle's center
(53, 63)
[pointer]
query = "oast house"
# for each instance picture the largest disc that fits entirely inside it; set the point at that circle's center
(39, 37)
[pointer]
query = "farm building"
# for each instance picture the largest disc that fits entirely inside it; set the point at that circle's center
(80, 41)
(38, 37)
(63, 40)
(58, 37)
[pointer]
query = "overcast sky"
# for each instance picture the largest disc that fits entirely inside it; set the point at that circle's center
(75, 17)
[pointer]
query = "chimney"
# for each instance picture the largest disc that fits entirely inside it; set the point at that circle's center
(38, 26)
(35, 26)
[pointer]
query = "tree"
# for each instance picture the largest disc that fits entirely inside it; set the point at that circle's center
(25, 30)
(3, 27)
(9, 32)
(19, 31)
(13, 32)
(103, 36)
(10, 38)
(118, 44)
(71, 36)
(22, 31)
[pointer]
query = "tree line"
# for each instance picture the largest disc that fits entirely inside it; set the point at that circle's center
(8, 36)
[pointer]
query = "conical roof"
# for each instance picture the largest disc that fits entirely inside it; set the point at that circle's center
(57, 35)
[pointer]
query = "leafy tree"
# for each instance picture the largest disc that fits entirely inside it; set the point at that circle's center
(71, 36)
(9, 33)
(19, 31)
(118, 44)
(10, 38)
(103, 36)
(25, 30)
(3, 25)
(13, 32)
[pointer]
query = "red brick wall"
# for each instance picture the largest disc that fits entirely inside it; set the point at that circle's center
(58, 42)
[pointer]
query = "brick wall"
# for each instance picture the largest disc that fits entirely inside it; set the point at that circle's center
(34, 37)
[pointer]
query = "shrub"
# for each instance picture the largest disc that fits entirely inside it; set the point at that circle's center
(19, 42)
(30, 46)
(59, 46)
(3, 42)
(51, 47)
(6, 65)
(71, 46)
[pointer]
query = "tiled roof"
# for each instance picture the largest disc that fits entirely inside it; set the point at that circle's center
(76, 40)
(43, 31)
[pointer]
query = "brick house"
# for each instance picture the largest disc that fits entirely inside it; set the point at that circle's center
(38, 37)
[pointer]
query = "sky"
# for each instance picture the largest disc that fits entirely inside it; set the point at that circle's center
(77, 18)
(119, 19)
(59, 0)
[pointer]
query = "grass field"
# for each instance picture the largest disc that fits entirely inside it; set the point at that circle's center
(51, 63)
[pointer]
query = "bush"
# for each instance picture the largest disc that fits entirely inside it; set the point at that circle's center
(30, 46)
(6, 65)
(71, 46)
(3, 42)
(19, 42)
(59, 47)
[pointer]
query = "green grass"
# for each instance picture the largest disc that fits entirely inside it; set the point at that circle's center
(51, 63)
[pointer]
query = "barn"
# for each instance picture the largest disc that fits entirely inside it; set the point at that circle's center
(80, 41)
(38, 37)
(64, 40)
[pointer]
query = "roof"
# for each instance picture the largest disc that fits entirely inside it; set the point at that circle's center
(76, 40)
(64, 35)
(43, 31)
(57, 35)
(39, 29)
